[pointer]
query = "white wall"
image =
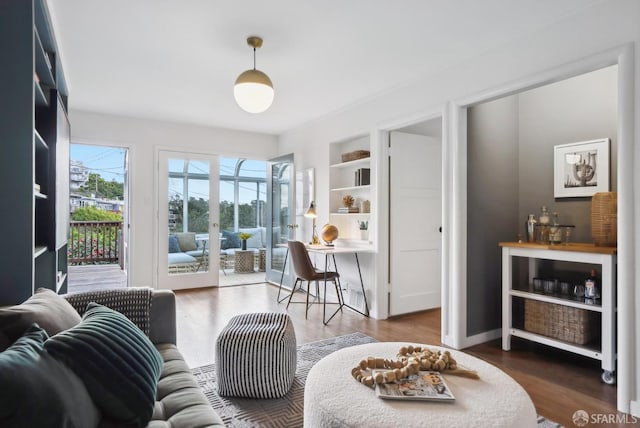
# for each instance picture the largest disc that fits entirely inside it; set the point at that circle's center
(144, 137)
(523, 62)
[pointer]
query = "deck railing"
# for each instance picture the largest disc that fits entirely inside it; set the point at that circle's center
(94, 242)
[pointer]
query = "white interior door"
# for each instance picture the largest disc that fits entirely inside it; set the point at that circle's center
(415, 214)
(188, 208)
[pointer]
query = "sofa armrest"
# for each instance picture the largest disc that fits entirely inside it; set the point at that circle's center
(153, 311)
(163, 317)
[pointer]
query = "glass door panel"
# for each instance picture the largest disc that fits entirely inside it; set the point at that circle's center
(280, 217)
(188, 233)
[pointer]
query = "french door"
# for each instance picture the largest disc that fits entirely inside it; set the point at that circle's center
(281, 226)
(188, 232)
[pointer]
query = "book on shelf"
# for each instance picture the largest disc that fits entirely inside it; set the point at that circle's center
(348, 210)
(424, 385)
(363, 177)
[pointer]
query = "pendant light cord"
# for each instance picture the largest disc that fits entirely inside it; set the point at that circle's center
(254, 58)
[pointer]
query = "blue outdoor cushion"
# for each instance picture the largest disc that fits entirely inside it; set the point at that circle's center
(118, 363)
(231, 240)
(174, 246)
(39, 391)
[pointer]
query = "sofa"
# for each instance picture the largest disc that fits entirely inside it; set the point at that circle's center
(178, 400)
(186, 252)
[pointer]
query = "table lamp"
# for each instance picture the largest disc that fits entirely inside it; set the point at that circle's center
(311, 213)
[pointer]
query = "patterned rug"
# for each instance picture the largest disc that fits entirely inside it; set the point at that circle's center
(285, 412)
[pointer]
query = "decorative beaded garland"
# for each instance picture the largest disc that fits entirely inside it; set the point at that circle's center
(411, 359)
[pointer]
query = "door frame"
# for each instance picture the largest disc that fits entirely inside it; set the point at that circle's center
(623, 56)
(156, 222)
(129, 193)
(382, 274)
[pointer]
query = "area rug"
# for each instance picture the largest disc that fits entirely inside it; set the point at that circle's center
(285, 412)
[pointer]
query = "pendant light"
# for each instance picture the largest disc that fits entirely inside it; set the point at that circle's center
(253, 89)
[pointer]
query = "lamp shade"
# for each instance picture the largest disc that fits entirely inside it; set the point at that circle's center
(311, 211)
(253, 91)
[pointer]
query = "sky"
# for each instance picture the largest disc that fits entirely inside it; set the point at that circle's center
(109, 163)
(106, 161)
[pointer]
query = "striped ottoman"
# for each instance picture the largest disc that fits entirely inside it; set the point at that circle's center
(256, 356)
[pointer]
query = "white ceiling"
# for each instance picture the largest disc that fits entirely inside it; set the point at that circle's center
(177, 59)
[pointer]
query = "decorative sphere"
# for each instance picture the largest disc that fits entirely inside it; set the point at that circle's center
(329, 233)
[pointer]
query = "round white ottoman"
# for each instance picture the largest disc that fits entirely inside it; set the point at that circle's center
(333, 398)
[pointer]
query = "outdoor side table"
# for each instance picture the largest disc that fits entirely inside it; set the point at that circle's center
(243, 261)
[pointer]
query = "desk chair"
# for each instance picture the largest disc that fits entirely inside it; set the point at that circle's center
(305, 271)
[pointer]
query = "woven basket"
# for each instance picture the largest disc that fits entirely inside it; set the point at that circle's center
(604, 219)
(358, 154)
(566, 323)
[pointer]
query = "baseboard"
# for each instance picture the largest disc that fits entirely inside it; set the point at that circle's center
(481, 338)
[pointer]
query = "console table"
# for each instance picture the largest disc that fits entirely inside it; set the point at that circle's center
(577, 253)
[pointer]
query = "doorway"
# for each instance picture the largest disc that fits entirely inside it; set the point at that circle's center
(243, 206)
(188, 220)
(415, 217)
(98, 206)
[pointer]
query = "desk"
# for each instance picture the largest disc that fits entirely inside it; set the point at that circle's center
(330, 252)
(333, 398)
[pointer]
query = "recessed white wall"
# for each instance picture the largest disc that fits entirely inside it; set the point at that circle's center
(518, 64)
(144, 137)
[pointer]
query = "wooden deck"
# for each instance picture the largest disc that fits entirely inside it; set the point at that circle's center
(95, 277)
(104, 277)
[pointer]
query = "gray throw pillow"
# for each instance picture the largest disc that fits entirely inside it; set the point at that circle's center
(116, 360)
(231, 240)
(46, 308)
(39, 391)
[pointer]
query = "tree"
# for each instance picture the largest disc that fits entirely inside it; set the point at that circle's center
(102, 188)
(94, 214)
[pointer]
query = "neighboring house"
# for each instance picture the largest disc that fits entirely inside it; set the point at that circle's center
(80, 201)
(78, 175)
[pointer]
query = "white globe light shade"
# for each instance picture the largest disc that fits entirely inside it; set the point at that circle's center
(253, 91)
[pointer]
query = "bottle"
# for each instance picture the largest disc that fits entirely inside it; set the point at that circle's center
(543, 226)
(544, 215)
(530, 227)
(555, 232)
(591, 286)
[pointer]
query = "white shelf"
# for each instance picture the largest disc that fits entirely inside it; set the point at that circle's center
(576, 349)
(40, 141)
(39, 195)
(60, 282)
(38, 251)
(342, 189)
(352, 164)
(556, 300)
(351, 214)
(576, 253)
(41, 99)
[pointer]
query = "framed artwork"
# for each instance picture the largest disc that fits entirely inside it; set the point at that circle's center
(581, 169)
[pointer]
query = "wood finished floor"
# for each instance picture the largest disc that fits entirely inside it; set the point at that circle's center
(558, 382)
